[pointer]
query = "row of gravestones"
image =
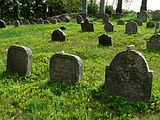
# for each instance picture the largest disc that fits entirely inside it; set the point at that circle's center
(127, 76)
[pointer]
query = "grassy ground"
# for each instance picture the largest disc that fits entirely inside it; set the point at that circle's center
(36, 97)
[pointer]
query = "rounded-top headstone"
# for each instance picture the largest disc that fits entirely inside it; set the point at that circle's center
(131, 27)
(46, 22)
(105, 18)
(16, 23)
(156, 15)
(59, 35)
(139, 22)
(40, 21)
(143, 16)
(2, 24)
(105, 39)
(26, 22)
(154, 42)
(150, 24)
(63, 28)
(109, 27)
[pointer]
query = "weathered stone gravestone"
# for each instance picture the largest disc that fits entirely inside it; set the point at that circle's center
(131, 27)
(19, 60)
(2, 24)
(109, 27)
(16, 23)
(59, 20)
(150, 24)
(53, 21)
(26, 22)
(87, 25)
(59, 35)
(33, 23)
(139, 22)
(157, 25)
(129, 77)
(154, 42)
(143, 16)
(21, 22)
(66, 67)
(40, 21)
(105, 39)
(79, 19)
(46, 22)
(120, 22)
(156, 15)
(63, 28)
(105, 18)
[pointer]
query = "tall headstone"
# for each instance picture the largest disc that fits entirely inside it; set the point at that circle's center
(105, 40)
(109, 27)
(2, 24)
(156, 16)
(19, 60)
(150, 24)
(59, 35)
(154, 42)
(66, 67)
(79, 19)
(143, 16)
(131, 27)
(129, 77)
(87, 25)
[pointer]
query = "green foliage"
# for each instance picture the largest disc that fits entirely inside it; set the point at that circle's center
(109, 10)
(92, 7)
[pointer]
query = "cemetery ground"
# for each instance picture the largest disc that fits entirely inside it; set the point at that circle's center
(35, 96)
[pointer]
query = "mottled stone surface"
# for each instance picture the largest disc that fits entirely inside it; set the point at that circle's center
(154, 42)
(150, 24)
(143, 16)
(139, 22)
(66, 67)
(131, 27)
(33, 23)
(58, 35)
(87, 25)
(156, 15)
(2, 24)
(109, 27)
(105, 18)
(16, 23)
(19, 60)
(105, 39)
(120, 22)
(79, 19)
(129, 77)
(40, 21)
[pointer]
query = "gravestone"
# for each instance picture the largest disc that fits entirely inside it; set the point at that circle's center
(63, 28)
(59, 35)
(150, 24)
(16, 23)
(120, 22)
(157, 25)
(131, 27)
(46, 22)
(21, 22)
(33, 23)
(87, 25)
(53, 21)
(129, 77)
(108, 27)
(40, 21)
(105, 18)
(156, 15)
(26, 22)
(2, 24)
(66, 67)
(139, 22)
(79, 19)
(19, 60)
(154, 42)
(59, 20)
(105, 39)
(143, 16)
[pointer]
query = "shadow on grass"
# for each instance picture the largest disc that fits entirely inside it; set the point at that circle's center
(151, 51)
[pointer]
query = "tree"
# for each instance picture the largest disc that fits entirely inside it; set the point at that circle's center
(92, 7)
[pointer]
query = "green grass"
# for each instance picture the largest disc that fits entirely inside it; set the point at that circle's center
(36, 97)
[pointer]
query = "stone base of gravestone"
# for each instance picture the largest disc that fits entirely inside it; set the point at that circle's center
(154, 42)
(105, 40)
(19, 60)
(66, 67)
(59, 35)
(150, 24)
(129, 77)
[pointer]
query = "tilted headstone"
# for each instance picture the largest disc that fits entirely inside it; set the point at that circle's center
(16, 23)
(46, 22)
(40, 21)
(131, 27)
(129, 77)
(154, 42)
(150, 24)
(2, 24)
(143, 16)
(105, 39)
(139, 22)
(79, 19)
(105, 18)
(19, 60)
(109, 27)
(156, 15)
(59, 35)
(120, 22)
(66, 67)
(87, 25)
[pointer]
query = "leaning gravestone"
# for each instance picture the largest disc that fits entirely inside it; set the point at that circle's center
(139, 22)
(150, 24)
(129, 77)
(16, 23)
(109, 27)
(2, 24)
(105, 18)
(66, 67)
(105, 39)
(131, 27)
(79, 19)
(87, 25)
(120, 22)
(143, 16)
(59, 35)
(19, 60)
(154, 42)
(156, 15)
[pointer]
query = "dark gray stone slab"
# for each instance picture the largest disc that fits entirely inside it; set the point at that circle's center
(19, 60)
(129, 77)
(66, 67)
(26, 22)
(105, 40)
(40, 21)
(156, 16)
(143, 16)
(2, 24)
(79, 19)
(59, 35)
(154, 42)
(150, 24)
(131, 27)
(109, 27)
(87, 25)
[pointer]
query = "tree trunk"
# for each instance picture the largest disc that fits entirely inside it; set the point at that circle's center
(119, 7)
(84, 6)
(102, 7)
(144, 5)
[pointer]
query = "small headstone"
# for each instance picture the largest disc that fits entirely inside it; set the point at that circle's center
(105, 39)
(16, 23)
(66, 67)
(40, 21)
(79, 19)
(46, 22)
(8, 22)
(19, 60)
(63, 28)
(157, 25)
(139, 22)
(59, 35)
(105, 18)
(156, 15)
(120, 22)
(2, 24)
(154, 42)
(150, 24)
(59, 20)
(33, 23)
(87, 25)
(21, 22)
(143, 16)
(26, 22)
(129, 77)
(53, 21)
(131, 27)
(109, 27)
